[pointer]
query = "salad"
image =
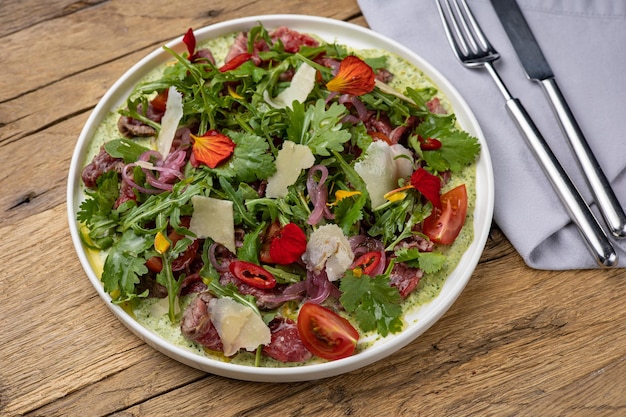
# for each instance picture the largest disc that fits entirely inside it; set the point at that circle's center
(281, 199)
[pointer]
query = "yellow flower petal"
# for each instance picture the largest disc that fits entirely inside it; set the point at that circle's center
(233, 93)
(341, 194)
(398, 194)
(161, 244)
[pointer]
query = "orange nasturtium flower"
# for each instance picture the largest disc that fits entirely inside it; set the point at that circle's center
(354, 77)
(212, 148)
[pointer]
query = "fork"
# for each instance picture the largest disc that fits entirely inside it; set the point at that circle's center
(472, 48)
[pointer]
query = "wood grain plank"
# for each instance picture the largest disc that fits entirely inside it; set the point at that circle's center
(516, 342)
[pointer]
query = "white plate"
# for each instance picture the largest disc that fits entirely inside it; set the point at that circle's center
(420, 319)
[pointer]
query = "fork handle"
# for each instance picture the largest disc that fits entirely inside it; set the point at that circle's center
(580, 213)
(597, 181)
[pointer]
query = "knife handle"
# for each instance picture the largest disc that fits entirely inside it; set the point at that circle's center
(580, 213)
(600, 187)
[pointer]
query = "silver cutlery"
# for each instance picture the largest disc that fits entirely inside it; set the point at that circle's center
(537, 69)
(472, 48)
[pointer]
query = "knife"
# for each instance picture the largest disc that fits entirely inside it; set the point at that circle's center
(537, 69)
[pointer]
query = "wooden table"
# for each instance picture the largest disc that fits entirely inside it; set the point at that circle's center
(516, 342)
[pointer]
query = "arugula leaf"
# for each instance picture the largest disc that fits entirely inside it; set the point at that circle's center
(166, 276)
(124, 265)
(429, 262)
(241, 214)
(249, 250)
(317, 127)
(375, 303)
(285, 274)
(458, 148)
(421, 96)
(159, 205)
(230, 290)
(126, 149)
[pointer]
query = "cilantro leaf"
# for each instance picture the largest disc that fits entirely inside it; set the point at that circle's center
(458, 148)
(348, 212)
(251, 159)
(317, 127)
(97, 213)
(374, 302)
(124, 265)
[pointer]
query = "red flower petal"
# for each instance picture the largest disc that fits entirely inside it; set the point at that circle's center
(428, 185)
(212, 148)
(236, 62)
(289, 245)
(354, 77)
(190, 40)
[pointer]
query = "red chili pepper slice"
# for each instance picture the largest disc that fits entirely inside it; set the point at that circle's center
(429, 144)
(252, 274)
(235, 62)
(367, 262)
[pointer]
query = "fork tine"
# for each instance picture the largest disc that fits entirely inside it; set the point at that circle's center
(475, 26)
(468, 34)
(456, 40)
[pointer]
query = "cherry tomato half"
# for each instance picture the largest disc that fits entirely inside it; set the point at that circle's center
(444, 225)
(325, 333)
(367, 262)
(252, 274)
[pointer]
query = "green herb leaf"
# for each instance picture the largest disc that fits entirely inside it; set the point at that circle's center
(97, 213)
(124, 265)
(317, 127)
(375, 303)
(126, 149)
(251, 159)
(429, 262)
(458, 148)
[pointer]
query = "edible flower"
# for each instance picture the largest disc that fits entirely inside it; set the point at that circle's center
(190, 41)
(236, 62)
(428, 185)
(212, 148)
(398, 194)
(354, 77)
(233, 93)
(341, 194)
(161, 244)
(289, 245)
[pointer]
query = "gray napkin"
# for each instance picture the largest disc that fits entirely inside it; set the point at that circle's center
(583, 41)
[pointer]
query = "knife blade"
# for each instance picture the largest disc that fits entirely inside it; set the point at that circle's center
(537, 69)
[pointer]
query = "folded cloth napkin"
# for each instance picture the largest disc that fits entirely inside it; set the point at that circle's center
(583, 43)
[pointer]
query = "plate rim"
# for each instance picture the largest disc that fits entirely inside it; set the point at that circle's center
(454, 283)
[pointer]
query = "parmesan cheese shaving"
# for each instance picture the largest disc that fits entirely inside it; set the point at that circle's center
(290, 161)
(382, 167)
(238, 325)
(169, 122)
(328, 247)
(302, 84)
(213, 218)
